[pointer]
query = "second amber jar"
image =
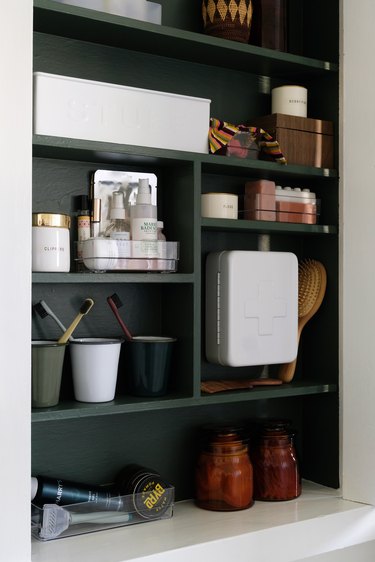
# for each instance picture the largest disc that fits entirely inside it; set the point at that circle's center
(224, 474)
(274, 458)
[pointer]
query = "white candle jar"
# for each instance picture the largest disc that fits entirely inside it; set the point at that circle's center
(50, 242)
(290, 100)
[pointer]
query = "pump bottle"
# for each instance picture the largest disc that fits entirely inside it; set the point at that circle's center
(119, 226)
(143, 215)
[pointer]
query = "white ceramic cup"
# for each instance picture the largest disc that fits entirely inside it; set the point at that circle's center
(94, 368)
(219, 205)
(290, 100)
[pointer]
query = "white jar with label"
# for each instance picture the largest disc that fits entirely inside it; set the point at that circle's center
(50, 242)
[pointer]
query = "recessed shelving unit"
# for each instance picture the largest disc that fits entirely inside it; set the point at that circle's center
(160, 432)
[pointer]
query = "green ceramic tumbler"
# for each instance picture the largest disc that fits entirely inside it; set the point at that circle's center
(47, 367)
(148, 363)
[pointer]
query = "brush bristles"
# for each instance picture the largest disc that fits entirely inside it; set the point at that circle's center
(86, 306)
(116, 300)
(311, 284)
(39, 308)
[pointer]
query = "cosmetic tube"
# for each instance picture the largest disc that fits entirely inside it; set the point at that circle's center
(63, 492)
(95, 217)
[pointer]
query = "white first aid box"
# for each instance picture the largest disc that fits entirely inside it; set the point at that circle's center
(251, 307)
(85, 109)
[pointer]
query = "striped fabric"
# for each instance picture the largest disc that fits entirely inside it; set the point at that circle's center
(221, 132)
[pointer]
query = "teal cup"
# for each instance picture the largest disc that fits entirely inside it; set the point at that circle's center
(47, 367)
(148, 365)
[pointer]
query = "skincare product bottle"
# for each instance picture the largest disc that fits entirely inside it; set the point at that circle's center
(160, 233)
(143, 215)
(50, 242)
(83, 229)
(119, 226)
(96, 213)
(150, 494)
(63, 492)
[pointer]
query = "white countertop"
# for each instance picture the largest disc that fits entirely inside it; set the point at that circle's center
(288, 530)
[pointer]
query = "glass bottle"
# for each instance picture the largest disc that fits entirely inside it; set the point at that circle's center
(119, 227)
(224, 474)
(275, 463)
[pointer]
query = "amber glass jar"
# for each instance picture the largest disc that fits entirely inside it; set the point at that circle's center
(275, 463)
(224, 474)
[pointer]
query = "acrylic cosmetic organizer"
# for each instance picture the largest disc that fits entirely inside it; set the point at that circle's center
(54, 522)
(105, 254)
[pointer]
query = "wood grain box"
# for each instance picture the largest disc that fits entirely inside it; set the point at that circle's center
(303, 141)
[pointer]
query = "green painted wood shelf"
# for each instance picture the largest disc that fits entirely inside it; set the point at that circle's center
(121, 405)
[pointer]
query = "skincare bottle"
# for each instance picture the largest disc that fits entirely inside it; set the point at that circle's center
(160, 233)
(143, 215)
(83, 229)
(63, 492)
(119, 226)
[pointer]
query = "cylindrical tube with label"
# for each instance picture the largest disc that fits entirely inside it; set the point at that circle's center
(63, 492)
(50, 242)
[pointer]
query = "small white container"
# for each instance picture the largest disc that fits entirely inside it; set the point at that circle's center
(290, 100)
(94, 368)
(98, 111)
(50, 242)
(219, 205)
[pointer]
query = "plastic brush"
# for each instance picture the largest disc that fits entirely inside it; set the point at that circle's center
(43, 310)
(115, 303)
(85, 308)
(57, 519)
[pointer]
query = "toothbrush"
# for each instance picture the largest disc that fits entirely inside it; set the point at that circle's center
(85, 308)
(115, 303)
(57, 519)
(44, 310)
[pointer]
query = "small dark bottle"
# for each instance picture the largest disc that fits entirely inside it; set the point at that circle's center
(63, 492)
(275, 463)
(224, 474)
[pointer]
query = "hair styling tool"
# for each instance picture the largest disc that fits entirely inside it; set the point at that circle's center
(85, 308)
(115, 303)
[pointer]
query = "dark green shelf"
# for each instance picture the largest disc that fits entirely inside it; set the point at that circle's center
(108, 277)
(76, 410)
(266, 227)
(112, 153)
(235, 166)
(107, 29)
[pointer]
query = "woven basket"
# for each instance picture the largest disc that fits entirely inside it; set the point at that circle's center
(228, 19)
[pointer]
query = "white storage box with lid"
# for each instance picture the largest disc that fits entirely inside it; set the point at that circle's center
(251, 307)
(85, 109)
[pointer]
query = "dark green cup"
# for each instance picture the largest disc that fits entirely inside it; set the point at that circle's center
(47, 367)
(148, 364)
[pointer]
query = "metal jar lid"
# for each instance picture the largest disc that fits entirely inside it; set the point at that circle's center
(51, 219)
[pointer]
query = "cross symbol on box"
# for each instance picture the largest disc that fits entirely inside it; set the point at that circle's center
(265, 307)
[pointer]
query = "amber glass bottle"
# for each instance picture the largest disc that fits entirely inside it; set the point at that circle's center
(224, 474)
(275, 463)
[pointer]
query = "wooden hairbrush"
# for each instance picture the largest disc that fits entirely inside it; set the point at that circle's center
(312, 283)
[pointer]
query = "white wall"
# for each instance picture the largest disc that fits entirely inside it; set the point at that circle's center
(358, 250)
(15, 189)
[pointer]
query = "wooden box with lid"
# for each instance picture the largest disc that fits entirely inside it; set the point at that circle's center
(303, 141)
